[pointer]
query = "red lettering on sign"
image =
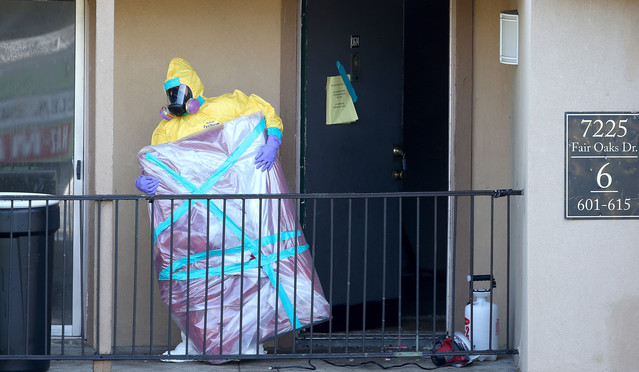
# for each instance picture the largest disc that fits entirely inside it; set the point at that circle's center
(36, 144)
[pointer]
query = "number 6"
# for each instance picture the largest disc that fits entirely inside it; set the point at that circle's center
(601, 175)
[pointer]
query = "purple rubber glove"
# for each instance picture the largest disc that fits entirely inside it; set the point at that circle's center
(147, 184)
(268, 153)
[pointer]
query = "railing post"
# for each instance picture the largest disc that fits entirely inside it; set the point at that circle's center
(103, 181)
(104, 285)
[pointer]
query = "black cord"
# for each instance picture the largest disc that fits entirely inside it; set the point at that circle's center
(312, 367)
(379, 365)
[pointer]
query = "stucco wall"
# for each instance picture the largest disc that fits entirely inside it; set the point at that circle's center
(520, 112)
(491, 150)
(579, 287)
(232, 45)
(491, 100)
(460, 174)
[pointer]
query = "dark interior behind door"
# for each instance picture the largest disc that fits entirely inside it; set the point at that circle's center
(426, 74)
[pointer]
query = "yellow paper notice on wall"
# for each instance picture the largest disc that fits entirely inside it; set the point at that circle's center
(339, 105)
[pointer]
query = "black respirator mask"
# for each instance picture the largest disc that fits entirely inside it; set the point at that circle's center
(181, 102)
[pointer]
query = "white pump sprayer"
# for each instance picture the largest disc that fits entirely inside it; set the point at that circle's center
(481, 321)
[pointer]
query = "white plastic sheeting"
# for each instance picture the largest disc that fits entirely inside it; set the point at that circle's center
(234, 273)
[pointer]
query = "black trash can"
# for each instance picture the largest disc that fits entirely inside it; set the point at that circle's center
(26, 265)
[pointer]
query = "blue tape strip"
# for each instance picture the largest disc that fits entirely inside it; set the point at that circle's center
(274, 131)
(157, 162)
(171, 83)
(180, 263)
(347, 81)
(228, 269)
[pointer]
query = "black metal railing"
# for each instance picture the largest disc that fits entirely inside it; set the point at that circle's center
(294, 275)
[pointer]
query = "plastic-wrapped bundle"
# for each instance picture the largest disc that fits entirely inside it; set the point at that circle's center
(209, 277)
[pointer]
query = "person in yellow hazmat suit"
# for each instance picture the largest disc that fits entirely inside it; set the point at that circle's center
(189, 111)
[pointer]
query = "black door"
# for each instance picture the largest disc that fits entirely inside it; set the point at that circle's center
(366, 248)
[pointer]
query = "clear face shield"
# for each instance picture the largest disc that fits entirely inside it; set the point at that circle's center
(178, 99)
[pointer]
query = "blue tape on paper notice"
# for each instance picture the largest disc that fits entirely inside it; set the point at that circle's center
(347, 81)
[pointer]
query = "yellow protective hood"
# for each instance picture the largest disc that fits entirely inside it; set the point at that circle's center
(213, 111)
(181, 72)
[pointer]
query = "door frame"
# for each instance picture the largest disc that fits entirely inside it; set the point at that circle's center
(460, 139)
(76, 327)
(459, 154)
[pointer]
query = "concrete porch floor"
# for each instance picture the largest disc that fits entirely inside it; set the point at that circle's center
(504, 363)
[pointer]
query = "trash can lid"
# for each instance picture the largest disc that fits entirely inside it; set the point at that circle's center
(24, 203)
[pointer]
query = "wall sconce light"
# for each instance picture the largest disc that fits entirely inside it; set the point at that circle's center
(509, 37)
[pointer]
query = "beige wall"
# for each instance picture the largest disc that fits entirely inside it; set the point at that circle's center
(521, 111)
(289, 95)
(491, 100)
(461, 72)
(481, 158)
(232, 45)
(578, 293)
(491, 149)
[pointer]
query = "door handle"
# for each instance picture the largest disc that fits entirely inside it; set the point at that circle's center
(398, 152)
(399, 174)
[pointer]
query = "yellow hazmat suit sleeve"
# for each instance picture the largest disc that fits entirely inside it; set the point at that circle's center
(213, 111)
(248, 105)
